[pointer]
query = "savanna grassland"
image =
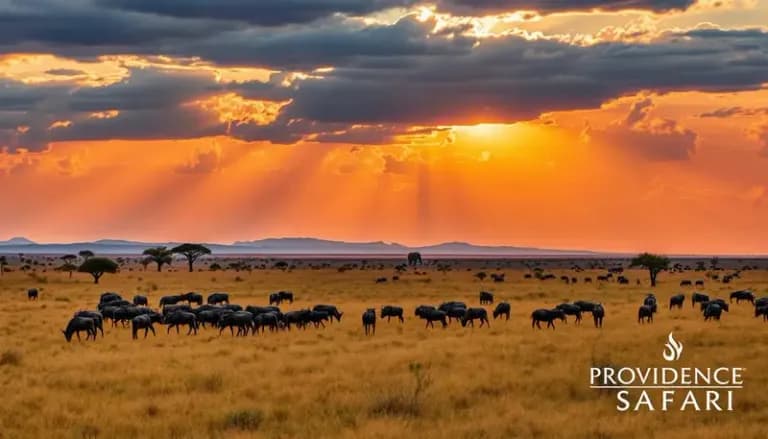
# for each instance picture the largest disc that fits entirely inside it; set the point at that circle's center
(406, 381)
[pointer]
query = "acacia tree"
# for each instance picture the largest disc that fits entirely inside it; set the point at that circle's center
(86, 254)
(192, 252)
(96, 267)
(655, 264)
(158, 255)
(69, 267)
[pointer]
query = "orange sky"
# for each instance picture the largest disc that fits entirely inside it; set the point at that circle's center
(642, 171)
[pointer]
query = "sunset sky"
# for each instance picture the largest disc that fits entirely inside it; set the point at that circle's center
(623, 125)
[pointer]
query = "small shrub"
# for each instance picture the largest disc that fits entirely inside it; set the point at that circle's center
(153, 410)
(245, 420)
(10, 358)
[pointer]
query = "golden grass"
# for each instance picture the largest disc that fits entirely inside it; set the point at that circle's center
(406, 381)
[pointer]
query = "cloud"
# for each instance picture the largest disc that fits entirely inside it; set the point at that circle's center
(488, 7)
(759, 133)
(65, 72)
(727, 112)
(203, 162)
(653, 139)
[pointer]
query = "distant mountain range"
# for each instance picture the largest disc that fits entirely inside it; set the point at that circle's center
(285, 246)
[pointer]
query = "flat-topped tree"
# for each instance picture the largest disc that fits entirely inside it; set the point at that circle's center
(96, 267)
(69, 267)
(192, 252)
(159, 255)
(86, 254)
(654, 263)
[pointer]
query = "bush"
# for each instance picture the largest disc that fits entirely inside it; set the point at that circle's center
(245, 420)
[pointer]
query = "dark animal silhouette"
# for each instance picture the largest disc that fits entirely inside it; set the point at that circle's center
(414, 258)
(144, 322)
(242, 320)
(585, 305)
(698, 298)
(571, 309)
(498, 277)
(712, 311)
(645, 314)
(318, 318)
(140, 300)
(724, 306)
(109, 297)
(486, 298)
(431, 315)
(502, 309)
(217, 298)
(32, 294)
(77, 325)
(472, 314)
(743, 295)
(762, 311)
(700, 283)
(181, 318)
(650, 301)
(546, 315)
(369, 321)
(685, 283)
(97, 317)
(677, 301)
(390, 311)
(170, 300)
(192, 297)
(598, 313)
(332, 311)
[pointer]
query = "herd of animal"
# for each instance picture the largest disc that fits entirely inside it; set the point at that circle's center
(176, 311)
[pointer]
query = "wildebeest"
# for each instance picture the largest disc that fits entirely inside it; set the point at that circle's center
(763, 301)
(546, 315)
(502, 309)
(720, 302)
(332, 311)
(622, 280)
(598, 313)
(243, 320)
(698, 298)
(486, 298)
(762, 311)
(269, 319)
(299, 318)
(109, 297)
(97, 317)
(743, 295)
(32, 294)
(216, 298)
(140, 300)
(144, 322)
(390, 311)
(78, 324)
(497, 277)
(173, 308)
(431, 314)
(585, 306)
(472, 314)
(280, 296)
(381, 280)
(318, 318)
(414, 258)
(645, 314)
(170, 300)
(677, 300)
(369, 321)
(700, 283)
(192, 297)
(571, 310)
(179, 318)
(453, 310)
(685, 283)
(588, 280)
(713, 311)
(650, 301)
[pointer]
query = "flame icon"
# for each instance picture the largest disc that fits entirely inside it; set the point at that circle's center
(673, 349)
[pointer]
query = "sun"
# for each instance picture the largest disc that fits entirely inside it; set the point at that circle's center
(482, 131)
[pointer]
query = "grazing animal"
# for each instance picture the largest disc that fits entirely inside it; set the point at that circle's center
(431, 315)
(622, 280)
(414, 258)
(381, 280)
(77, 325)
(486, 298)
(285, 296)
(650, 301)
(192, 297)
(743, 295)
(571, 310)
(32, 294)
(299, 318)
(243, 320)
(585, 306)
(109, 297)
(698, 298)
(677, 300)
(502, 309)
(332, 311)
(762, 311)
(472, 314)
(496, 277)
(173, 308)
(390, 311)
(318, 318)
(598, 313)
(546, 315)
(724, 306)
(179, 318)
(645, 314)
(140, 300)
(587, 280)
(170, 300)
(274, 299)
(369, 321)
(270, 319)
(217, 298)
(763, 301)
(685, 283)
(143, 321)
(97, 317)
(713, 311)
(700, 283)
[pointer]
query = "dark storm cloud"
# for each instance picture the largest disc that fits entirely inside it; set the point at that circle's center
(727, 112)
(486, 7)
(258, 12)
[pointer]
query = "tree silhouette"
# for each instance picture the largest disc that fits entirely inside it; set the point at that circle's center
(69, 259)
(159, 255)
(653, 263)
(191, 252)
(96, 267)
(3, 263)
(86, 254)
(68, 266)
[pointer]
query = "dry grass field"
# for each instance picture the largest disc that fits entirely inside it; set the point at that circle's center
(406, 381)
